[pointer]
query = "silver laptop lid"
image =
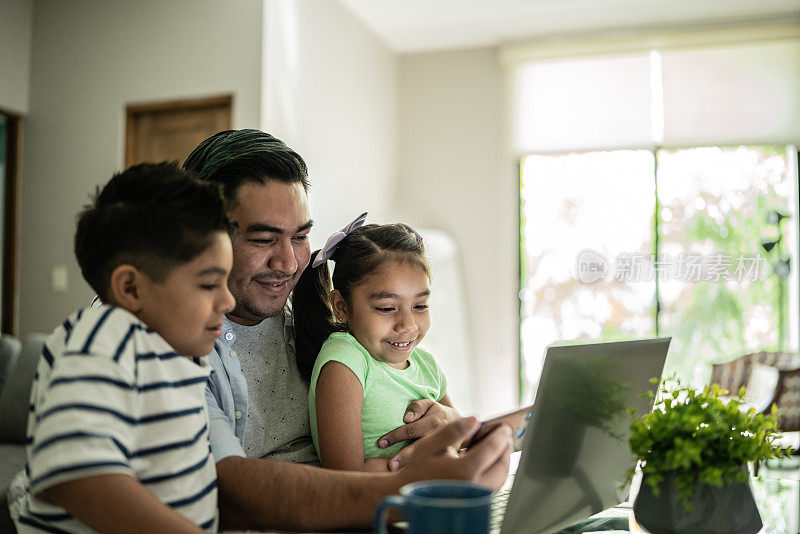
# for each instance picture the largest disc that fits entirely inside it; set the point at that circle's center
(575, 454)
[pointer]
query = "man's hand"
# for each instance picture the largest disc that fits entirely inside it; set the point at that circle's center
(421, 417)
(436, 455)
(263, 494)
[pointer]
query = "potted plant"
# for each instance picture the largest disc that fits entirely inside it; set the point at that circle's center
(694, 448)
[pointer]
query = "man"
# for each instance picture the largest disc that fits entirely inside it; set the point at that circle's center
(258, 402)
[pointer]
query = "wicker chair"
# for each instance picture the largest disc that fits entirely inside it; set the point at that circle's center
(735, 374)
(787, 399)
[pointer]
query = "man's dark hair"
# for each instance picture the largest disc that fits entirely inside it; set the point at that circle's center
(234, 157)
(153, 216)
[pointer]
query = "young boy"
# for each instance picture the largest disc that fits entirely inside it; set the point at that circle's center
(118, 432)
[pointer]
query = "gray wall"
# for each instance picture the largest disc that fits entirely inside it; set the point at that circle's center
(89, 59)
(416, 138)
(331, 93)
(16, 20)
(455, 175)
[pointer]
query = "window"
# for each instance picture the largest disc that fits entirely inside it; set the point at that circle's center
(573, 210)
(607, 235)
(658, 196)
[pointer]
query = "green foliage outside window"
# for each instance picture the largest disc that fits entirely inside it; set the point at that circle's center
(715, 321)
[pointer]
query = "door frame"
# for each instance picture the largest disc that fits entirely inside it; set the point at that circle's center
(10, 299)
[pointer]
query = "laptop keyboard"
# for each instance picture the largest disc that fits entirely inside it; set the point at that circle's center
(500, 499)
(498, 510)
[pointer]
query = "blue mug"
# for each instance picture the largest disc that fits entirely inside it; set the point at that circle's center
(441, 506)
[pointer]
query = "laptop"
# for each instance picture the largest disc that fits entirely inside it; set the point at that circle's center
(575, 451)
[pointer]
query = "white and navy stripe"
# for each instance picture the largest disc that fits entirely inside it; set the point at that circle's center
(111, 396)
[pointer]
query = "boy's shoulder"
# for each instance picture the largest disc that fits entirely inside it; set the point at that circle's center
(97, 323)
(102, 329)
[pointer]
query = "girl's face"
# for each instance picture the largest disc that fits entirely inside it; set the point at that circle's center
(388, 313)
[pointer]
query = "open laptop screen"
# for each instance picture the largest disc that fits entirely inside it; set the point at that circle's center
(575, 454)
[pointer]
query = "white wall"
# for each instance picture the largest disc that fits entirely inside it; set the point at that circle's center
(330, 93)
(89, 59)
(16, 18)
(416, 138)
(334, 93)
(454, 175)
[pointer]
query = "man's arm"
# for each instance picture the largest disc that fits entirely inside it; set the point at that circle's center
(223, 440)
(117, 503)
(220, 391)
(264, 494)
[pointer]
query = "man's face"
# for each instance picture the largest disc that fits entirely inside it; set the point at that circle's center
(270, 248)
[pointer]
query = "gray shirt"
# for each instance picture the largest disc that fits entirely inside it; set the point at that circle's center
(277, 416)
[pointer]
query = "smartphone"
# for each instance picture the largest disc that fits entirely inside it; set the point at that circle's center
(517, 420)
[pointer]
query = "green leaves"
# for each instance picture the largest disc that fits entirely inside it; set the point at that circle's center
(701, 437)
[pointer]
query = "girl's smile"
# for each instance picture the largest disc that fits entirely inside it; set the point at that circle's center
(401, 346)
(388, 313)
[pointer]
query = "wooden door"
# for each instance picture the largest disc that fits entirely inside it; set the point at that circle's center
(169, 131)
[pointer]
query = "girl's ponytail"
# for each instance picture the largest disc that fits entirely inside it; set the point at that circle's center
(313, 317)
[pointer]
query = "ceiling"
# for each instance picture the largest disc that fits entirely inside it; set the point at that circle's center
(427, 25)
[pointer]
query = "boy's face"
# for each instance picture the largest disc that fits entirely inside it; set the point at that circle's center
(187, 308)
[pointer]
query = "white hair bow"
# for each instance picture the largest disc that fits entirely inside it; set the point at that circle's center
(333, 241)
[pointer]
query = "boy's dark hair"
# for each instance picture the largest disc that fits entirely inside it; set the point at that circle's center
(153, 216)
(357, 256)
(234, 157)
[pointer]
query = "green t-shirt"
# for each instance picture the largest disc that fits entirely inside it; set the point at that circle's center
(387, 391)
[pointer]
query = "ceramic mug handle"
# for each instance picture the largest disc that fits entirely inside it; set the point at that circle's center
(379, 520)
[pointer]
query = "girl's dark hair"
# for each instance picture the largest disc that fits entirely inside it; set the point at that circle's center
(358, 255)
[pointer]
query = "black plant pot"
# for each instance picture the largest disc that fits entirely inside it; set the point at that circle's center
(714, 510)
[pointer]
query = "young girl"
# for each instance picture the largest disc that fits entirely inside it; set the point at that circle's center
(358, 342)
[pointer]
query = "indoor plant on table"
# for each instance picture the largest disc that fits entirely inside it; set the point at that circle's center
(694, 448)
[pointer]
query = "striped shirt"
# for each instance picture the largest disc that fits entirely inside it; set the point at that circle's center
(112, 396)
